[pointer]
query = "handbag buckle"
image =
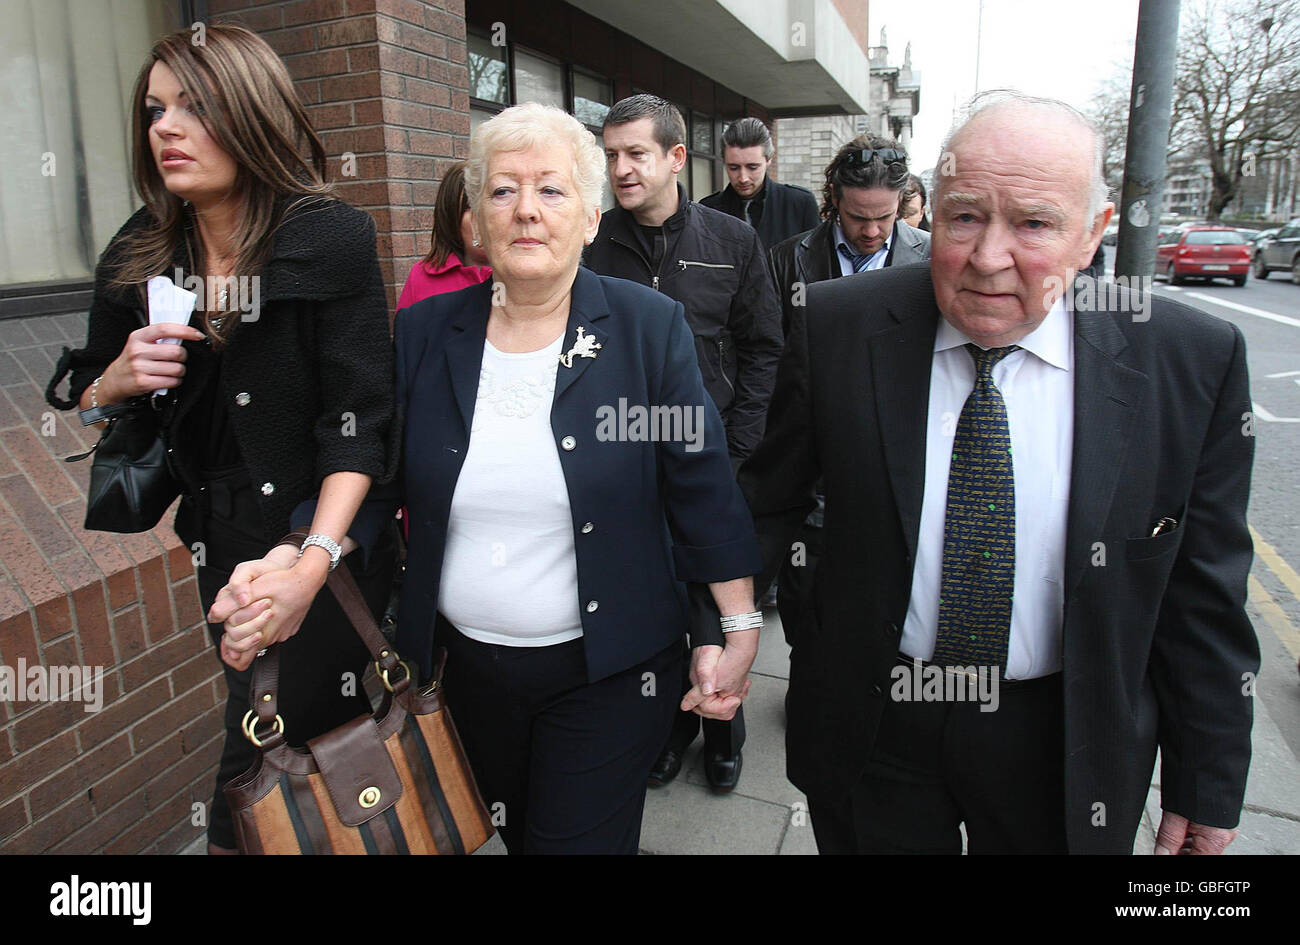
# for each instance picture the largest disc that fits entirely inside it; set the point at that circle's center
(249, 725)
(383, 675)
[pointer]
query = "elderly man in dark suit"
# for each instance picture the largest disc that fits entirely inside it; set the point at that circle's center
(1035, 504)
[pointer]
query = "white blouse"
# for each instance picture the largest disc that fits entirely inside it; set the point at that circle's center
(510, 570)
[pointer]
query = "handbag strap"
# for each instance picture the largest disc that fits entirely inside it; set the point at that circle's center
(394, 673)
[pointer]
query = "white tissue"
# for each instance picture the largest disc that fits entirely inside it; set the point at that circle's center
(169, 303)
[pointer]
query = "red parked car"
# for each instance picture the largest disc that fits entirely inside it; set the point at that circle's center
(1206, 252)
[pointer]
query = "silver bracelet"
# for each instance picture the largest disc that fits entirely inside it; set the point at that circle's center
(94, 392)
(326, 542)
(751, 621)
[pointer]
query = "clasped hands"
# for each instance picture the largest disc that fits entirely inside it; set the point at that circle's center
(720, 676)
(266, 601)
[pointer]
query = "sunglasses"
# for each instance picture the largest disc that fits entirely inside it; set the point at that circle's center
(867, 155)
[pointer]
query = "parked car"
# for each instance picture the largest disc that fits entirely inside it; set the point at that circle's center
(1204, 251)
(1260, 235)
(1280, 253)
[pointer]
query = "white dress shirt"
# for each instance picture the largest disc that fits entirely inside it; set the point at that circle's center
(1037, 385)
(509, 569)
(877, 260)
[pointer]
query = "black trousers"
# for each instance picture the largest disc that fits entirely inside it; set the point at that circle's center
(315, 694)
(561, 763)
(937, 765)
(720, 737)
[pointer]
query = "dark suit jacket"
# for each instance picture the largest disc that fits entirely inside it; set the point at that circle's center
(785, 209)
(812, 257)
(1156, 640)
(662, 513)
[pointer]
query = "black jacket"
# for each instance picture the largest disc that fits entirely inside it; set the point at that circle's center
(778, 211)
(1155, 644)
(308, 382)
(812, 257)
(713, 264)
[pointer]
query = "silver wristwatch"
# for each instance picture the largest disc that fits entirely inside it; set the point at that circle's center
(326, 542)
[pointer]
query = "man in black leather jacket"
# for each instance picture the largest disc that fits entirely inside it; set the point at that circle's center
(776, 211)
(713, 264)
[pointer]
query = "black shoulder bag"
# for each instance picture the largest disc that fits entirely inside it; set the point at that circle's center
(131, 485)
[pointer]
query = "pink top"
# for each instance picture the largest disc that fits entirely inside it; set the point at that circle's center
(425, 280)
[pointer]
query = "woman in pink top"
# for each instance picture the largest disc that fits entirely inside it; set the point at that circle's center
(455, 259)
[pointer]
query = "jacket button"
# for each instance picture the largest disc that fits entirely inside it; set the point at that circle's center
(243, 399)
(268, 488)
(588, 528)
(592, 605)
(568, 443)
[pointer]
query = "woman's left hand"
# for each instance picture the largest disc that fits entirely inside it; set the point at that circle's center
(265, 602)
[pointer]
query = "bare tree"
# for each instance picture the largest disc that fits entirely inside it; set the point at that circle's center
(1109, 112)
(1237, 88)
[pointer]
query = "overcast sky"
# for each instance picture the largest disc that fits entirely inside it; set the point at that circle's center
(1044, 47)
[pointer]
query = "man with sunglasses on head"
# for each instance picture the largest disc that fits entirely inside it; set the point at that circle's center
(861, 232)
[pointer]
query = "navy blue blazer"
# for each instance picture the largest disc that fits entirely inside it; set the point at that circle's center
(647, 515)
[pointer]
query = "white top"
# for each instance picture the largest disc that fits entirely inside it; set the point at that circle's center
(510, 571)
(1038, 388)
(877, 260)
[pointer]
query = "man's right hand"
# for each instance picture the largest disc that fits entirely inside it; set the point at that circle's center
(144, 365)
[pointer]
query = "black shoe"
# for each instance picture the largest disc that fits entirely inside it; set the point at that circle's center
(723, 773)
(667, 766)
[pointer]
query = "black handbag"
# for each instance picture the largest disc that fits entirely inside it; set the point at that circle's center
(131, 485)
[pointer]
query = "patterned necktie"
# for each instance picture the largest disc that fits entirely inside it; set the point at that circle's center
(979, 534)
(858, 262)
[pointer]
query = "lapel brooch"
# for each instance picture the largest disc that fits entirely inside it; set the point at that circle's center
(585, 346)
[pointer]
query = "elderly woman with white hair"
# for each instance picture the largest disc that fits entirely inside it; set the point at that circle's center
(565, 477)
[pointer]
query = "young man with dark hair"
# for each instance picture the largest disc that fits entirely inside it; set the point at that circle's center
(777, 211)
(862, 232)
(713, 264)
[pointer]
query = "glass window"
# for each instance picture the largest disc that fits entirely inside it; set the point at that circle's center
(607, 200)
(66, 186)
(701, 133)
(488, 77)
(1214, 238)
(592, 98)
(701, 177)
(538, 80)
(477, 116)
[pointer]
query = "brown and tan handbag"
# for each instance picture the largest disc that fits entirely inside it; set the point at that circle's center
(396, 782)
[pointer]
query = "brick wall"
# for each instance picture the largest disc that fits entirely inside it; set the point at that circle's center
(123, 779)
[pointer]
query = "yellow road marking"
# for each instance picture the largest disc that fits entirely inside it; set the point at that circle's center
(1273, 615)
(1276, 563)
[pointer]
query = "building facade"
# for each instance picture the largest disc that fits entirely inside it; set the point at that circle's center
(806, 145)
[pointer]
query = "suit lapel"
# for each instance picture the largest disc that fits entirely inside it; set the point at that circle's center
(587, 307)
(1107, 396)
(901, 360)
(464, 350)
